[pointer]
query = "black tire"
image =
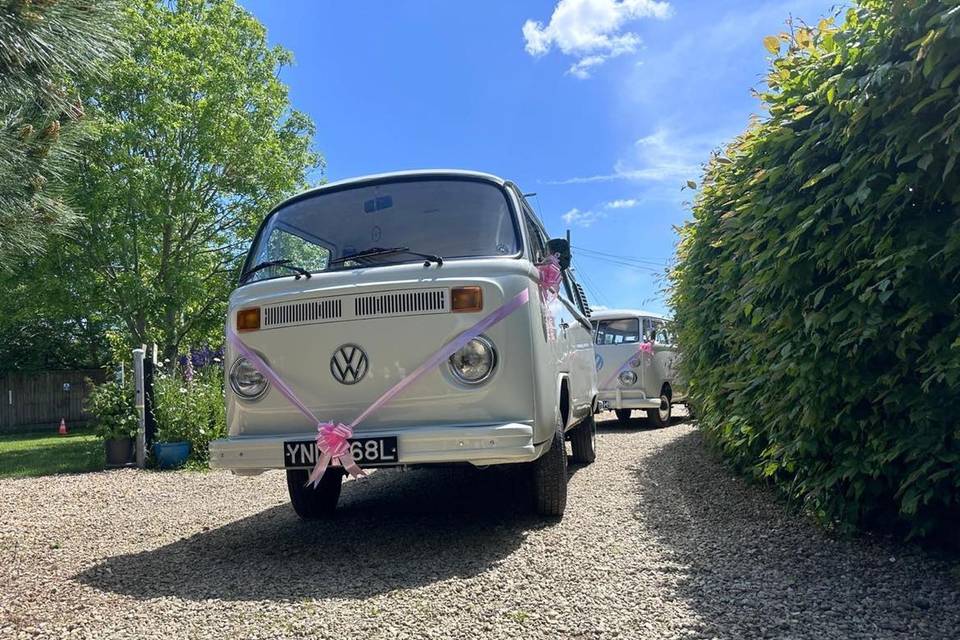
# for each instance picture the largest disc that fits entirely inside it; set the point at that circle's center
(550, 479)
(660, 418)
(623, 415)
(583, 441)
(314, 503)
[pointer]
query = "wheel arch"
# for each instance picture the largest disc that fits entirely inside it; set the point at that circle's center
(667, 389)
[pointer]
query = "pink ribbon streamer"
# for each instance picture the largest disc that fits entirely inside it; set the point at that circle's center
(333, 439)
(645, 347)
(550, 277)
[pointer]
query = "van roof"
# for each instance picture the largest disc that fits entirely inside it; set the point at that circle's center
(608, 314)
(380, 177)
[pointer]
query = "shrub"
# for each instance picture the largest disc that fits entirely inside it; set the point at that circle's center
(112, 407)
(189, 406)
(817, 289)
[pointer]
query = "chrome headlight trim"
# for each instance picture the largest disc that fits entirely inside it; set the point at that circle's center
(489, 346)
(235, 385)
(627, 378)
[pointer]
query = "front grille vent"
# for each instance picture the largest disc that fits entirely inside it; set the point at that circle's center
(401, 303)
(302, 312)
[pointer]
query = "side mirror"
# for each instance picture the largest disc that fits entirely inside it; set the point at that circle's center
(561, 248)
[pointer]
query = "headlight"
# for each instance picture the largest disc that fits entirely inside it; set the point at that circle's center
(246, 381)
(627, 378)
(475, 362)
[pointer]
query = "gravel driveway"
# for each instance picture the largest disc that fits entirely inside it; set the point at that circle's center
(658, 542)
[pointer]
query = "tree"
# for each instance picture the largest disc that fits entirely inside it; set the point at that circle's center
(197, 142)
(45, 49)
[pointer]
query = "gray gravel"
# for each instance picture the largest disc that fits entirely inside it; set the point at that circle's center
(658, 542)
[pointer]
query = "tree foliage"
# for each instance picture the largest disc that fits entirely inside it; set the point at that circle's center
(817, 290)
(45, 49)
(198, 140)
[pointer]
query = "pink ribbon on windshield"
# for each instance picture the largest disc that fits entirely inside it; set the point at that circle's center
(645, 347)
(333, 439)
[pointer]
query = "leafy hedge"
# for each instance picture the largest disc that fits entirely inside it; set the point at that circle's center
(817, 289)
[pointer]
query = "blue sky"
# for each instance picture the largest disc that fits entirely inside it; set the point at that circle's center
(603, 107)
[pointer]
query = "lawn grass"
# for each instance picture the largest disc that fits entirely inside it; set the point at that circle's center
(44, 453)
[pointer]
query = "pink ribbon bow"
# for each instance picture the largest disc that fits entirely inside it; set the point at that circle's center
(646, 347)
(333, 443)
(550, 277)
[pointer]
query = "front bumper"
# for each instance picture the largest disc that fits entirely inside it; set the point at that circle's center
(479, 445)
(626, 399)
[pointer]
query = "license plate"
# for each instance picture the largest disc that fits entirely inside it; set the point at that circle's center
(367, 452)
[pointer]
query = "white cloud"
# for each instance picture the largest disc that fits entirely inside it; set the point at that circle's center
(626, 203)
(662, 156)
(578, 218)
(591, 30)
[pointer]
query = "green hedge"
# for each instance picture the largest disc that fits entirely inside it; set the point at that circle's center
(817, 289)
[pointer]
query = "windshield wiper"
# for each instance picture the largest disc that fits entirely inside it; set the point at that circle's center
(274, 263)
(380, 251)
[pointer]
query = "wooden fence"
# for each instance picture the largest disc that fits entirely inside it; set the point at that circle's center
(42, 399)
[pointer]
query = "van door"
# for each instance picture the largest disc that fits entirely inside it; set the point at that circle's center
(664, 354)
(579, 337)
(570, 337)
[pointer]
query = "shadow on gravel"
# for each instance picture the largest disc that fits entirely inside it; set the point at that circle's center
(607, 421)
(395, 530)
(750, 568)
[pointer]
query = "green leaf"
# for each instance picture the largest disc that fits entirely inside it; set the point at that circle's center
(772, 44)
(825, 173)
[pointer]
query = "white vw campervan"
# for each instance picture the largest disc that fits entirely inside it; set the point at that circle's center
(349, 288)
(636, 364)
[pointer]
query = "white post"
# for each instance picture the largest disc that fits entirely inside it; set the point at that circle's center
(138, 401)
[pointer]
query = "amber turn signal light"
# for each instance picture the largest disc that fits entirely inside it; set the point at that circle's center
(466, 299)
(248, 319)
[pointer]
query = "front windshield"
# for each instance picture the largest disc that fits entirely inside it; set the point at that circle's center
(447, 218)
(618, 331)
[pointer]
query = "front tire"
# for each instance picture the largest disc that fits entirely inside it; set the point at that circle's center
(550, 479)
(583, 441)
(660, 418)
(314, 503)
(623, 416)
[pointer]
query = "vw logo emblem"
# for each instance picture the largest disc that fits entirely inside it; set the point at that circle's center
(348, 364)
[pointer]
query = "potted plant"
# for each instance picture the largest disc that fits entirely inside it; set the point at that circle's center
(115, 420)
(173, 412)
(188, 408)
(171, 455)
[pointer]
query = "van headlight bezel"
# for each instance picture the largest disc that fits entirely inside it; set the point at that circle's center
(627, 378)
(490, 355)
(250, 392)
